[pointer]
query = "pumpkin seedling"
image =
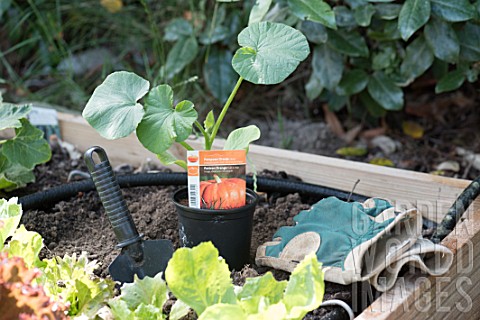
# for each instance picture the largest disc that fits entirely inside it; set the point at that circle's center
(269, 53)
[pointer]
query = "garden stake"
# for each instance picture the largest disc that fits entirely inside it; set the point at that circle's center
(138, 257)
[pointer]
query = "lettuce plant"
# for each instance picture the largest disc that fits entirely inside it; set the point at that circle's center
(201, 280)
(269, 53)
(68, 280)
(20, 154)
(20, 297)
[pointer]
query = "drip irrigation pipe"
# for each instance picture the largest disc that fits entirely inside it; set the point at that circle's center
(66, 191)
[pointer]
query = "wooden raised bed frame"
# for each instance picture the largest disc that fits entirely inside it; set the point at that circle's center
(451, 296)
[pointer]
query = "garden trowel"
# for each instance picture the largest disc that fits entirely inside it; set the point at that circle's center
(138, 257)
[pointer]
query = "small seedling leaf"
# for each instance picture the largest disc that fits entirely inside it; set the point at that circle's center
(241, 138)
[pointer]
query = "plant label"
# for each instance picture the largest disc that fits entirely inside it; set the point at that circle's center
(216, 178)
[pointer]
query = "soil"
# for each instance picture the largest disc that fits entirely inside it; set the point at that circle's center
(80, 224)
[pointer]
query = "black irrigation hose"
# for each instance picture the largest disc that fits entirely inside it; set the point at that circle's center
(66, 191)
(456, 211)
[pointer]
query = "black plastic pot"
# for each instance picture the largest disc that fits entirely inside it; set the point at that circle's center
(229, 230)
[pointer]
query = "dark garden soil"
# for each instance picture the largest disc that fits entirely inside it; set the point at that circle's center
(80, 224)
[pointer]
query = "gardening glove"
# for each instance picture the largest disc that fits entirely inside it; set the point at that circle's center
(354, 241)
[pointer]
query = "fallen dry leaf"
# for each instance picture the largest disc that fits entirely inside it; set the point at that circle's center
(412, 129)
(333, 122)
(382, 162)
(449, 166)
(352, 151)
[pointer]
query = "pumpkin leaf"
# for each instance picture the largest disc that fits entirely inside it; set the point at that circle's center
(270, 52)
(164, 124)
(313, 10)
(167, 159)
(209, 122)
(113, 109)
(384, 91)
(241, 138)
(413, 15)
(412, 129)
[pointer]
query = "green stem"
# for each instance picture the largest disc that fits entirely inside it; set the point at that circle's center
(3, 141)
(222, 114)
(186, 146)
(202, 130)
(182, 164)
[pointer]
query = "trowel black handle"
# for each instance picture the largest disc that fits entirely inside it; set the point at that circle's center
(111, 196)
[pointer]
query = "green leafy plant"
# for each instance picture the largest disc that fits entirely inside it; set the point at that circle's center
(71, 280)
(269, 53)
(366, 51)
(21, 298)
(68, 280)
(20, 154)
(201, 280)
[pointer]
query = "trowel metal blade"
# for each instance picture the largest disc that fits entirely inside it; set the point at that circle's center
(156, 254)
